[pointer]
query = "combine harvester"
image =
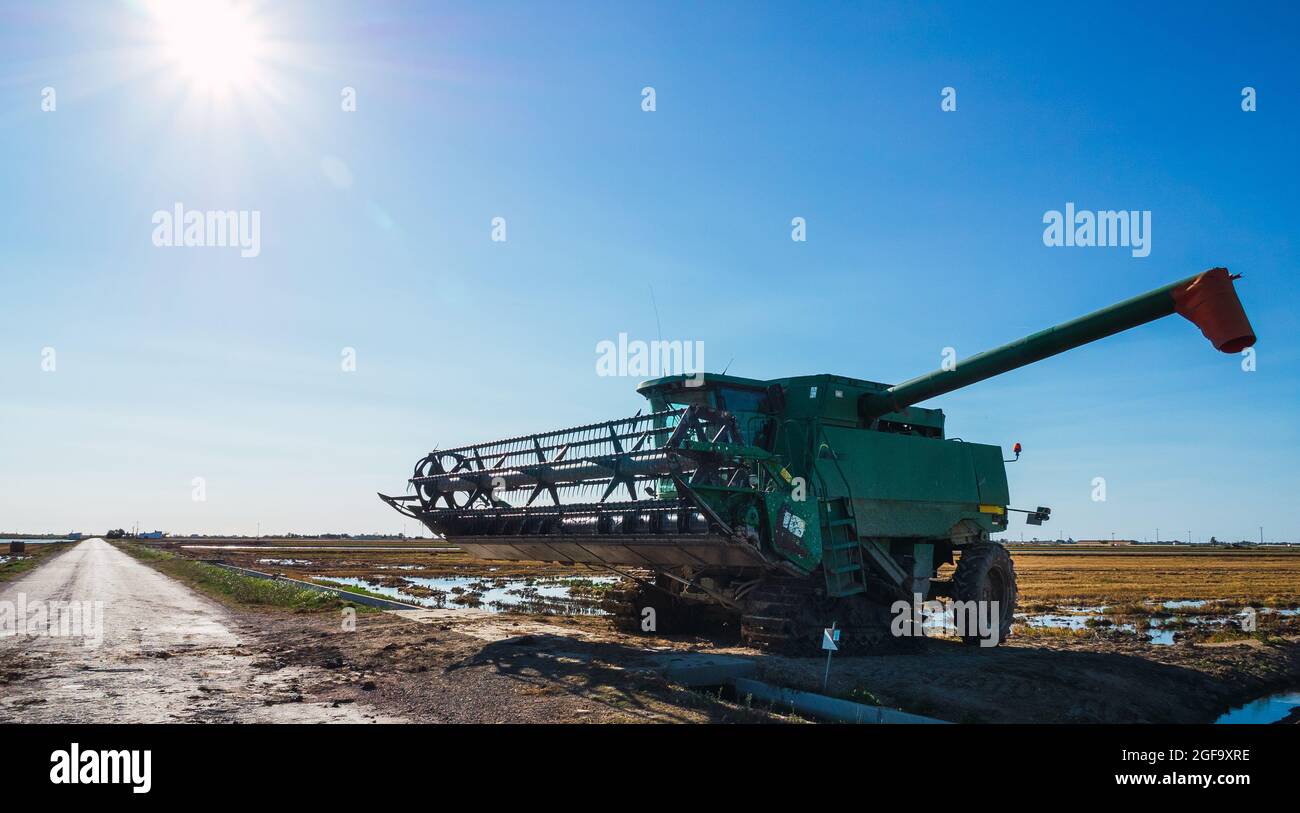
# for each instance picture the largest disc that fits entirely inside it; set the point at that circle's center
(785, 505)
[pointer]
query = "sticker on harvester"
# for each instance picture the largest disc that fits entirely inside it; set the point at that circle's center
(789, 532)
(795, 525)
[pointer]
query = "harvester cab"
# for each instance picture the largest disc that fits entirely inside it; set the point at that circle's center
(783, 505)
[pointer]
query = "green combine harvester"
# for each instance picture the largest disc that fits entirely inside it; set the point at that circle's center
(782, 506)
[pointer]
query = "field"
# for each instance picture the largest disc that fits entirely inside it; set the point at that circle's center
(1049, 577)
(13, 565)
(1116, 576)
(1103, 635)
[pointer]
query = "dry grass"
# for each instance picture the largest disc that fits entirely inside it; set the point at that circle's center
(1261, 579)
(1048, 578)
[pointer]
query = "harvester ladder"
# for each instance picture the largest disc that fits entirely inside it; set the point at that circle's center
(842, 553)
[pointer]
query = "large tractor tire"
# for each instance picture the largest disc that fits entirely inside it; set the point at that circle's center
(985, 573)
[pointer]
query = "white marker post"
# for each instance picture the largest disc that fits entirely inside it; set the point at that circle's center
(830, 637)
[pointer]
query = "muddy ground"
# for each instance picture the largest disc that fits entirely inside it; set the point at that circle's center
(489, 669)
(458, 664)
(461, 666)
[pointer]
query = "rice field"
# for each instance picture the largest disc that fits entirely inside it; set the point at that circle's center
(1105, 577)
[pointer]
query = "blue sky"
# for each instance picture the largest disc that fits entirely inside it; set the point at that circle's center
(924, 231)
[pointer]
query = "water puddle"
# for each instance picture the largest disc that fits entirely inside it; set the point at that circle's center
(1092, 620)
(1265, 710)
(1184, 604)
(1055, 621)
(6, 541)
(1159, 627)
(285, 562)
(557, 596)
(1156, 635)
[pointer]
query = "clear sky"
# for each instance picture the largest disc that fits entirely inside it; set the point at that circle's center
(924, 231)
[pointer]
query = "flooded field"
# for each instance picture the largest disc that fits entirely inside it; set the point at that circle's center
(1161, 623)
(1095, 577)
(1156, 623)
(4, 541)
(544, 596)
(1153, 597)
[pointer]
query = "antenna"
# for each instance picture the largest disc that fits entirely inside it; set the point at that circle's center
(655, 305)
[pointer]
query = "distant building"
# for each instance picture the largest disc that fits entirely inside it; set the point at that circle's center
(151, 535)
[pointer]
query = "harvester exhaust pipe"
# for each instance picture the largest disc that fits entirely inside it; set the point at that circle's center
(1208, 300)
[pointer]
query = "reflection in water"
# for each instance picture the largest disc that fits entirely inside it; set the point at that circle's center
(560, 596)
(1268, 709)
(1158, 627)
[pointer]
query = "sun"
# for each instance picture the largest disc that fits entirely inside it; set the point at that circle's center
(213, 45)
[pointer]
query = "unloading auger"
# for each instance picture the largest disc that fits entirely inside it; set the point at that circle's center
(784, 504)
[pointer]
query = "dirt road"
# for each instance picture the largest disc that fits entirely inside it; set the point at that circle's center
(158, 653)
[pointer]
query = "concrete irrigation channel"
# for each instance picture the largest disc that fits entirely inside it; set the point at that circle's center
(703, 671)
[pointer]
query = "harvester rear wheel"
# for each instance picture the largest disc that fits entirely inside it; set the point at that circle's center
(985, 573)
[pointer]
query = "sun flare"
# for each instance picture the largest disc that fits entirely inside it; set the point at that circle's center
(213, 45)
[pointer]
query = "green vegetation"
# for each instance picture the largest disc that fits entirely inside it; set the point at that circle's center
(1028, 631)
(587, 587)
(351, 588)
(860, 694)
(235, 588)
(19, 563)
(1230, 634)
